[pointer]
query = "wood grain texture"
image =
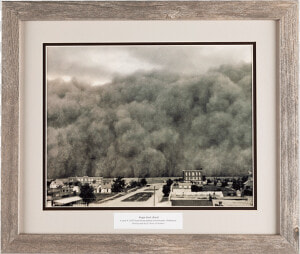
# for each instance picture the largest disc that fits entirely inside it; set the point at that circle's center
(10, 127)
(284, 11)
(264, 244)
(155, 10)
(289, 191)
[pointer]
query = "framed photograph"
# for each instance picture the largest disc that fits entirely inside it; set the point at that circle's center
(177, 120)
(149, 126)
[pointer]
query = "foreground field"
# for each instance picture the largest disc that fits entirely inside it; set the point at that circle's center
(142, 197)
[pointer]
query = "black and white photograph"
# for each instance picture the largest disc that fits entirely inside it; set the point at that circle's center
(150, 126)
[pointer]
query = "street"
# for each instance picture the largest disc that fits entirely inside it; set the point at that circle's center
(143, 197)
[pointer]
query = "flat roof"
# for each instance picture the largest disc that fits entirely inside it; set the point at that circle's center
(67, 200)
(192, 169)
(183, 184)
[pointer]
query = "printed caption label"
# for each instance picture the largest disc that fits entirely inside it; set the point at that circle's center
(148, 221)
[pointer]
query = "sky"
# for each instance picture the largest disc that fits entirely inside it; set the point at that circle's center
(98, 65)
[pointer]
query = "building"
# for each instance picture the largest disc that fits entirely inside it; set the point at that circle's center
(94, 181)
(76, 189)
(230, 184)
(61, 191)
(182, 185)
(56, 184)
(86, 179)
(69, 201)
(100, 184)
(219, 183)
(106, 186)
(194, 176)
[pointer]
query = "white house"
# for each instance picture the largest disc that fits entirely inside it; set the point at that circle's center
(76, 189)
(56, 183)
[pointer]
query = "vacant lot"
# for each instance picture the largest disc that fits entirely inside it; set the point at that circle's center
(141, 196)
(101, 196)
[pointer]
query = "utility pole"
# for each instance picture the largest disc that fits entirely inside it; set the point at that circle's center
(154, 196)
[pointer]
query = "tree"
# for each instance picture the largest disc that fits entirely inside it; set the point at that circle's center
(166, 190)
(196, 188)
(87, 193)
(143, 182)
(118, 185)
(133, 184)
(244, 178)
(169, 182)
(225, 183)
(77, 183)
(237, 185)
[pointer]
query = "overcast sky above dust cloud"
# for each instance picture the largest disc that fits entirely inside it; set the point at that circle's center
(98, 65)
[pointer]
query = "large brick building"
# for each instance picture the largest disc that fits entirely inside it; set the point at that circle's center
(192, 176)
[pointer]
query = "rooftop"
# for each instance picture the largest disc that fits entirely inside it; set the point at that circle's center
(190, 170)
(68, 200)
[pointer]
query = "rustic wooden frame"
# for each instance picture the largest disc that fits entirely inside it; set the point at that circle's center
(285, 12)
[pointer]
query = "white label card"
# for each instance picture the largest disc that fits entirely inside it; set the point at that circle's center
(148, 221)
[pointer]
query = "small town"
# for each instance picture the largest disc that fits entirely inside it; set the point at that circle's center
(192, 189)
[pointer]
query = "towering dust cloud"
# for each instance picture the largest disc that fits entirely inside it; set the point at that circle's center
(149, 119)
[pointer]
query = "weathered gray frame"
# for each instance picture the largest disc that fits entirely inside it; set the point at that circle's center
(285, 12)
